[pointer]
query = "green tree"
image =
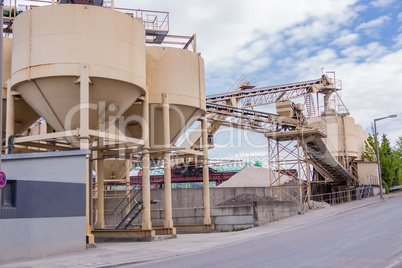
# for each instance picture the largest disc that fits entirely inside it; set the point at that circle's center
(387, 163)
(390, 159)
(369, 153)
(398, 162)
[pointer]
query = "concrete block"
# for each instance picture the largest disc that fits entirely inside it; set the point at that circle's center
(242, 210)
(199, 212)
(245, 226)
(158, 222)
(186, 221)
(156, 214)
(232, 211)
(184, 212)
(265, 212)
(234, 220)
(224, 227)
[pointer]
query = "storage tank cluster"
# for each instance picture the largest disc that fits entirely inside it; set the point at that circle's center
(344, 137)
(87, 71)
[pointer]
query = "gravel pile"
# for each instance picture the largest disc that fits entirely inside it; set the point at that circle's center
(316, 205)
(245, 199)
(251, 176)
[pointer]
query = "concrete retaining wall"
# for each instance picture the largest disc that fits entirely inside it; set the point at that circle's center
(265, 212)
(228, 218)
(190, 198)
(225, 218)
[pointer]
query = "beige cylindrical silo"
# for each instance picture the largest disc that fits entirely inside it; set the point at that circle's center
(359, 141)
(23, 114)
(350, 136)
(51, 44)
(179, 74)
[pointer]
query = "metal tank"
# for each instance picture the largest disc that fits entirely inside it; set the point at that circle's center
(24, 116)
(350, 136)
(179, 74)
(359, 141)
(51, 45)
(343, 135)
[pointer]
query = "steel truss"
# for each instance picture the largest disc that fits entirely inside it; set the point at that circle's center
(268, 95)
(230, 116)
(289, 168)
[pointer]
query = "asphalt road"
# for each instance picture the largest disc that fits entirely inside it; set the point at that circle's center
(366, 237)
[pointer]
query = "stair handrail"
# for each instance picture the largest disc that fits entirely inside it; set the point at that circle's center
(124, 198)
(128, 203)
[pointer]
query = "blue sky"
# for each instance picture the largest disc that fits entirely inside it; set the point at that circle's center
(281, 41)
(284, 41)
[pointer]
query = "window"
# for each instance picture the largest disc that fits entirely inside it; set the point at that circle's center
(8, 194)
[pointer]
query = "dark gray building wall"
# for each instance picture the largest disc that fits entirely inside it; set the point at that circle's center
(49, 212)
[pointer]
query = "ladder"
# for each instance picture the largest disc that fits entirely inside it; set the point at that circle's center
(134, 198)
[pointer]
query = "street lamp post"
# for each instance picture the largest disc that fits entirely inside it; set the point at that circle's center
(376, 148)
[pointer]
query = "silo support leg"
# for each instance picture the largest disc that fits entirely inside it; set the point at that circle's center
(146, 192)
(10, 114)
(168, 225)
(84, 142)
(205, 172)
(146, 187)
(100, 210)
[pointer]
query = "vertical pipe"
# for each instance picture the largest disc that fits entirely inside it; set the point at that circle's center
(299, 173)
(100, 174)
(10, 113)
(195, 43)
(84, 137)
(84, 108)
(128, 169)
(166, 161)
(270, 171)
(205, 172)
(278, 171)
(112, 4)
(146, 192)
(308, 178)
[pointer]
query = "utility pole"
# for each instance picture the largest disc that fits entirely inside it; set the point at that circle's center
(376, 148)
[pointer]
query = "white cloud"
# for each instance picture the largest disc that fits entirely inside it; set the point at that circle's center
(398, 41)
(368, 52)
(382, 3)
(399, 17)
(285, 41)
(372, 27)
(231, 33)
(346, 40)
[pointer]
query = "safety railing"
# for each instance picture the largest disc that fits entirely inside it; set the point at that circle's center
(122, 210)
(152, 20)
(340, 197)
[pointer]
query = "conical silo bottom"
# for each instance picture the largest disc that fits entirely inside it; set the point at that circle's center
(181, 117)
(57, 100)
(24, 116)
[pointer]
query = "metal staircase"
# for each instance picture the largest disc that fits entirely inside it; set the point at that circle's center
(127, 212)
(325, 162)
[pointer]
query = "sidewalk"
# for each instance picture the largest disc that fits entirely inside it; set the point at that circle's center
(115, 254)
